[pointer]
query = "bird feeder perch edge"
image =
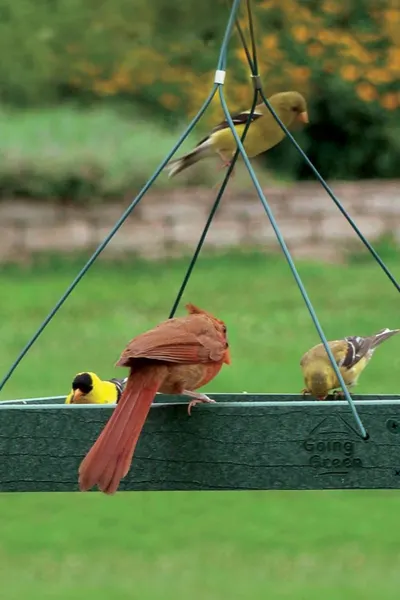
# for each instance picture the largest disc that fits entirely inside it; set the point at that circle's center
(243, 442)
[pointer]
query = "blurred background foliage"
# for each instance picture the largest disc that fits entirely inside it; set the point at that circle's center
(153, 62)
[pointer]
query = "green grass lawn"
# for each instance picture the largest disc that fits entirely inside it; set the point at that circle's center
(336, 545)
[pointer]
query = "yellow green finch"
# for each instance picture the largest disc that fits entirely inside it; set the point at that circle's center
(351, 354)
(263, 133)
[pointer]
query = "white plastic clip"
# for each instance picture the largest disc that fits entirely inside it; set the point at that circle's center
(256, 82)
(219, 77)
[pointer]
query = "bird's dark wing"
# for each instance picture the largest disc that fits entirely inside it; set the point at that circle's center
(119, 384)
(357, 348)
(238, 119)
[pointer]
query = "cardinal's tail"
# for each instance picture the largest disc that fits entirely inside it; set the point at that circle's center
(180, 164)
(110, 457)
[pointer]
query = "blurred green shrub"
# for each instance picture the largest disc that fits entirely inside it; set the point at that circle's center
(65, 154)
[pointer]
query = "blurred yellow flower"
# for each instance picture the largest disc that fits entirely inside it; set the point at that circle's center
(270, 42)
(302, 74)
(300, 33)
(350, 72)
(379, 76)
(393, 59)
(392, 15)
(366, 92)
(350, 47)
(390, 101)
(326, 37)
(332, 7)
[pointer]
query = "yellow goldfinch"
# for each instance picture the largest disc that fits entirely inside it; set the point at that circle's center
(263, 133)
(352, 355)
(88, 388)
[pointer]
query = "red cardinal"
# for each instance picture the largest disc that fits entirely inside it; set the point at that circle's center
(176, 357)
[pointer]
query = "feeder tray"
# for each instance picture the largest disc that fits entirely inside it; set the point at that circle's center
(243, 442)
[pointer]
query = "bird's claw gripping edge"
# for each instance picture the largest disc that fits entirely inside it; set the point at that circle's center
(305, 392)
(197, 398)
(336, 394)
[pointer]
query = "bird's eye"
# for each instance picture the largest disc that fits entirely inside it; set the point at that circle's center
(223, 328)
(295, 108)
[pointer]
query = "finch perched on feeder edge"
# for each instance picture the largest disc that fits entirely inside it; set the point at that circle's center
(88, 388)
(352, 355)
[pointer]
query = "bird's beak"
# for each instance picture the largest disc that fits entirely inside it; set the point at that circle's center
(227, 357)
(77, 396)
(303, 117)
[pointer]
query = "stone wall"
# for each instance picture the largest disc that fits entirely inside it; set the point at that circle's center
(169, 223)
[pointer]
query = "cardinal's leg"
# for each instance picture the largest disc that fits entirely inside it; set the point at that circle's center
(305, 392)
(198, 397)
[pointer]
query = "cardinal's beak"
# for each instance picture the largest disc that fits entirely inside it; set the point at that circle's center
(303, 117)
(77, 396)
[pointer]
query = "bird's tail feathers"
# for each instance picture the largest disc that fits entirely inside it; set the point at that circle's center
(383, 335)
(110, 457)
(187, 160)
